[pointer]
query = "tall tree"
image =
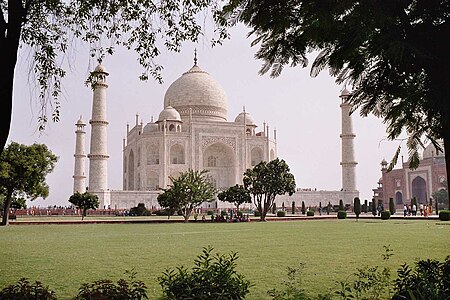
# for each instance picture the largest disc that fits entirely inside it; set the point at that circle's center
(187, 192)
(357, 207)
(23, 170)
(441, 195)
(390, 52)
(267, 180)
(84, 202)
(236, 194)
(50, 30)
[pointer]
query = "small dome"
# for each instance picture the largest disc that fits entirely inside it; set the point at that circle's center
(80, 121)
(431, 151)
(100, 69)
(150, 127)
(384, 162)
(248, 119)
(380, 180)
(170, 114)
(345, 93)
(197, 92)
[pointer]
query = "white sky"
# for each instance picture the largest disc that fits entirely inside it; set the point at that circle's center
(304, 110)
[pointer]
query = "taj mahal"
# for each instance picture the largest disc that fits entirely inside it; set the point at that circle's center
(191, 132)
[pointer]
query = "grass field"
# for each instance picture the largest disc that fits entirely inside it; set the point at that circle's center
(65, 256)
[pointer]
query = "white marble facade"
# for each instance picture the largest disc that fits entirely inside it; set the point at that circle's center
(192, 132)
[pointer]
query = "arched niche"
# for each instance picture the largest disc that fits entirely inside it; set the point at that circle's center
(177, 154)
(131, 171)
(219, 159)
(419, 189)
(256, 156)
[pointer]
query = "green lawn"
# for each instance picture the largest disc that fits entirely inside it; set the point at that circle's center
(65, 256)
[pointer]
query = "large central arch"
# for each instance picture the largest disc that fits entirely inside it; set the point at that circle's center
(219, 159)
(419, 189)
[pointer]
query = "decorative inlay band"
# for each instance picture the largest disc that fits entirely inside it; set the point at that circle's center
(209, 140)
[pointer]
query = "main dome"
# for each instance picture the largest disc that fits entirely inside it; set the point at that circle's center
(198, 92)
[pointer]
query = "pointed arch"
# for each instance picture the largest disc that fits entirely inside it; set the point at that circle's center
(177, 154)
(257, 156)
(131, 171)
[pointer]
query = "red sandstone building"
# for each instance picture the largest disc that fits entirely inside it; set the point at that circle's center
(404, 184)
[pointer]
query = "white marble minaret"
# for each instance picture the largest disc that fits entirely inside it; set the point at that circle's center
(98, 157)
(79, 176)
(348, 162)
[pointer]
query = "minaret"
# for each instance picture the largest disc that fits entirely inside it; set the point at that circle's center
(79, 177)
(98, 157)
(348, 162)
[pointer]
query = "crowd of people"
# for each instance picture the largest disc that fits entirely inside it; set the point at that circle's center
(411, 210)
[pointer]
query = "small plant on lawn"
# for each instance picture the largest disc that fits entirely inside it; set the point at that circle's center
(328, 208)
(310, 213)
(23, 289)
(366, 206)
(374, 207)
(291, 288)
(303, 208)
(293, 207)
(212, 277)
(105, 289)
(369, 282)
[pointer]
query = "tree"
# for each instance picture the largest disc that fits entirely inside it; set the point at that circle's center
(187, 192)
(328, 208)
(441, 196)
(267, 180)
(366, 206)
(357, 207)
(374, 207)
(293, 208)
(236, 194)
(84, 202)
(50, 29)
(23, 170)
(391, 206)
(341, 205)
(303, 208)
(390, 52)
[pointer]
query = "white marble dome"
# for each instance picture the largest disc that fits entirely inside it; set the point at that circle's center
(198, 92)
(100, 69)
(150, 127)
(431, 151)
(248, 119)
(169, 114)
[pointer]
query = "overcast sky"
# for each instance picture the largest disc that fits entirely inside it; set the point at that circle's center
(305, 112)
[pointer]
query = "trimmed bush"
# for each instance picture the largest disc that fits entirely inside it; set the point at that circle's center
(23, 289)
(223, 213)
(444, 215)
(391, 206)
(139, 210)
(310, 213)
(385, 215)
(341, 205)
(281, 213)
(357, 206)
(256, 213)
(293, 207)
(161, 212)
(342, 214)
(366, 206)
(210, 212)
(303, 208)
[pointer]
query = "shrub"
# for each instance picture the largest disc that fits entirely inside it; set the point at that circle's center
(281, 213)
(357, 206)
(212, 277)
(430, 279)
(342, 214)
(131, 289)
(374, 207)
(444, 215)
(139, 210)
(341, 205)
(385, 215)
(366, 206)
(210, 212)
(291, 287)
(161, 212)
(23, 289)
(223, 213)
(310, 213)
(391, 206)
(293, 207)
(256, 213)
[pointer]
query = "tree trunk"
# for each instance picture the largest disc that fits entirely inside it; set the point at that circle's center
(446, 137)
(9, 45)
(6, 207)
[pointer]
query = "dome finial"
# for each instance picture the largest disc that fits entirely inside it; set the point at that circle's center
(195, 56)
